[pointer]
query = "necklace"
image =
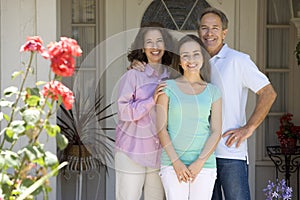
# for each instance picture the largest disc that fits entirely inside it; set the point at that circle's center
(198, 83)
(195, 83)
(186, 18)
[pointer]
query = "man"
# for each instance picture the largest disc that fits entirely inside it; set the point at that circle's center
(234, 73)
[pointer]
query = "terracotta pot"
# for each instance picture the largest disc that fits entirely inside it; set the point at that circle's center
(78, 151)
(79, 158)
(288, 145)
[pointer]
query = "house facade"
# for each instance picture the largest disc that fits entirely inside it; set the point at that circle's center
(264, 29)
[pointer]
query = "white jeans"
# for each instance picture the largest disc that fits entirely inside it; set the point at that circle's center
(200, 189)
(132, 179)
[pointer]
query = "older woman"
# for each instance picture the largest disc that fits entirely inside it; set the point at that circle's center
(138, 151)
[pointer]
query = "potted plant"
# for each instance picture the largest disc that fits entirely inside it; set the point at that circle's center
(88, 141)
(288, 133)
(89, 146)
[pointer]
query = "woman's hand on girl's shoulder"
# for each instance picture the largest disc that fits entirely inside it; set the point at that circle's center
(137, 65)
(159, 90)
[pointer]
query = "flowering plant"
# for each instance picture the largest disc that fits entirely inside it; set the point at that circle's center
(278, 190)
(287, 128)
(25, 170)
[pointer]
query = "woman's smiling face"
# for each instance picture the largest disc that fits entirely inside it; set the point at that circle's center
(191, 58)
(154, 46)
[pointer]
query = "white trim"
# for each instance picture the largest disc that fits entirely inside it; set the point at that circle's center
(1, 51)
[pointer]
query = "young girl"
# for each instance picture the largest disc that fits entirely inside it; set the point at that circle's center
(138, 150)
(189, 120)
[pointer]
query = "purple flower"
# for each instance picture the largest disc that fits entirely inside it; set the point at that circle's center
(278, 190)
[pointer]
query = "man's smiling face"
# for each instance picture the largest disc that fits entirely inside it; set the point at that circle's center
(211, 33)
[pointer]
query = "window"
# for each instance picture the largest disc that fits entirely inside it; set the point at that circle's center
(273, 55)
(80, 20)
(174, 14)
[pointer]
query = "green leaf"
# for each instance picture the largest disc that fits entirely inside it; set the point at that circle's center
(59, 101)
(32, 152)
(10, 91)
(49, 104)
(15, 74)
(33, 101)
(9, 139)
(47, 190)
(4, 178)
(56, 128)
(4, 103)
(31, 116)
(2, 131)
(11, 159)
(6, 117)
(33, 91)
(2, 162)
(52, 130)
(26, 183)
(61, 141)
(39, 161)
(51, 159)
(9, 132)
(18, 126)
(40, 182)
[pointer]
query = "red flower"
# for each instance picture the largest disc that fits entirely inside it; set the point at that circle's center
(71, 45)
(287, 128)
(34, 43)
(56, 89)
(63, 65)
(62, 54)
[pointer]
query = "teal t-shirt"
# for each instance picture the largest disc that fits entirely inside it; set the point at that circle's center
(188, 123)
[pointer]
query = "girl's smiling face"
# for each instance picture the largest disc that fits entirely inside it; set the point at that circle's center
(191, 58)
(154, 46)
